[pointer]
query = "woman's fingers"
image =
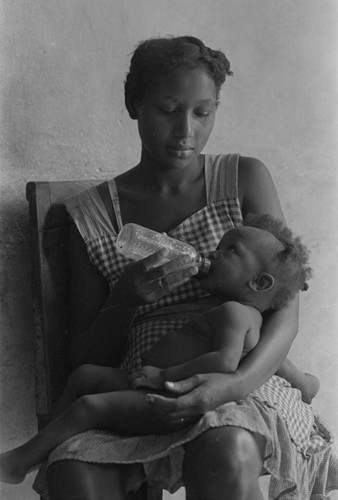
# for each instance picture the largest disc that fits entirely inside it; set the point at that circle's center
(195, 395)
(159, 265)
(174, 270)
(149, 279)
(160, 278)
(152, 261)
(178, 407)
(183, 386)
(171, 412)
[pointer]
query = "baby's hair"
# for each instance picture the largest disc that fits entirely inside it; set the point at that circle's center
(157, 56)
(292, 270)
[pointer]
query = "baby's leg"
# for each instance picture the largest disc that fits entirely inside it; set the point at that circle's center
(120, 412)
(91, 379)
(87, 379)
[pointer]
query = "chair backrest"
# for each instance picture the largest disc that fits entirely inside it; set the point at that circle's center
(49, 228)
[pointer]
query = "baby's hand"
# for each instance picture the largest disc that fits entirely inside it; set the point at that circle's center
(149, 377)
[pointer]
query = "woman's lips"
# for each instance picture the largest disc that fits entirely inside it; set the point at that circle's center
(181, 151)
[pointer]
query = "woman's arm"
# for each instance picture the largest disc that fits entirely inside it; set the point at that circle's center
(278, 331)
(258, 195)
(100, 318)
(96, 329)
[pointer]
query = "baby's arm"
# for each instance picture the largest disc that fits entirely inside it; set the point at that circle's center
(229, 325)
(308, 384)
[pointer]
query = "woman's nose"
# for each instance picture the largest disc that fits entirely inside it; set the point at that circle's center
(184, 126)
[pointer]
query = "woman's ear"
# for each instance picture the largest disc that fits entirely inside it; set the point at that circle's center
(262, 283)
(132, 107)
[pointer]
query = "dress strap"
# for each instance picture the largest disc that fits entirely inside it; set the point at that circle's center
(89, 213)
(116, 202)
(221, 177)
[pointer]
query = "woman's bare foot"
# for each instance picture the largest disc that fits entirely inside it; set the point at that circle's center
(11, 469)
(311, 388)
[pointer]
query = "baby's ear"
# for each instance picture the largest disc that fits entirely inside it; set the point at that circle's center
(263, 282)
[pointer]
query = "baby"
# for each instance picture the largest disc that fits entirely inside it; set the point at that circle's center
(256, 267)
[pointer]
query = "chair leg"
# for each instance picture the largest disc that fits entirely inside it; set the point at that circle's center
(154, 493)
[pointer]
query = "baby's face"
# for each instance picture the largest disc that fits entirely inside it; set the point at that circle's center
(241, 255)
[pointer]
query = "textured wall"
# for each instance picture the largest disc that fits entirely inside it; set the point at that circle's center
(62, 69)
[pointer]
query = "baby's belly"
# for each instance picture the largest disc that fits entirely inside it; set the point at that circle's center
(177, 348)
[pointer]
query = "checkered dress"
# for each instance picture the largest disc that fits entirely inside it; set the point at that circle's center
(298, 444)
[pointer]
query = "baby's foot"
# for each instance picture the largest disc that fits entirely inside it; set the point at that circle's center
(11, 470)
(311, 388)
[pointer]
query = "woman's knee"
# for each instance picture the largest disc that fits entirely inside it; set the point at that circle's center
(226, 453)
(72, 480)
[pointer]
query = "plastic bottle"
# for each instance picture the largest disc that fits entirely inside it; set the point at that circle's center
(137, 242)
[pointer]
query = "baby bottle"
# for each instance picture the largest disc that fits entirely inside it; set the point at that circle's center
(137, 242)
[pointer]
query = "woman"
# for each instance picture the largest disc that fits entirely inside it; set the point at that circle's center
(172, 90)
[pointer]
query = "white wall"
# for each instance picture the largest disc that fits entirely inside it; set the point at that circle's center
(63, 64)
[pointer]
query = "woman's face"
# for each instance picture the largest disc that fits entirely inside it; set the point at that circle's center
(176, 117)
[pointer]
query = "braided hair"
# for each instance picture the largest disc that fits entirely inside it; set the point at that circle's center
(158, 56)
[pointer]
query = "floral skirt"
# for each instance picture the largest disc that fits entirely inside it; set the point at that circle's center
(298, 454)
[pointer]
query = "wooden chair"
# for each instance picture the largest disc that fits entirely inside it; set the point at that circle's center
(49, 229)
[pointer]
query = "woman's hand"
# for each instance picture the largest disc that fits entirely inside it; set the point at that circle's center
(194, 397)
(148, 280)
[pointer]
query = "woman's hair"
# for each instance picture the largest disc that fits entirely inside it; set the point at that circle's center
(291, 264)
(157, 56)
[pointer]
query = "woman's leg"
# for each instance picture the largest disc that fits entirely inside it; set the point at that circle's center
(224, 464)
(74, 480)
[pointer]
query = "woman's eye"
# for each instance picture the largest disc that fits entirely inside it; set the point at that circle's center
(167, 111)
(232, 249)
(202, 113)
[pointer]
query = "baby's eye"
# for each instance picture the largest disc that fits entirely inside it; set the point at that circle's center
(232, 248)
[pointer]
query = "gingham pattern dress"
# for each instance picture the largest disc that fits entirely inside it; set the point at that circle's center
(298, 451)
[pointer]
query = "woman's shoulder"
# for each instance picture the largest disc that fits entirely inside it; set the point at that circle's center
(248, 165)
(228, 175)
(88, 209)
(245, 165)
(83, 197)
(256, 189)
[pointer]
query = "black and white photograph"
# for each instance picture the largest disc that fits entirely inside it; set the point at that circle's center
(168, 243)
